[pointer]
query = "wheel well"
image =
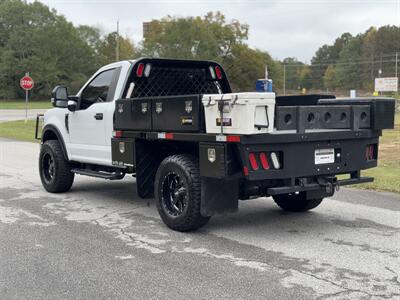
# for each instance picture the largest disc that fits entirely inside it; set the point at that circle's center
(148, 157)
(51, 133)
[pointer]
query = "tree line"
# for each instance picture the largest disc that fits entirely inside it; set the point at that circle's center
(351, 62)
(37, 39)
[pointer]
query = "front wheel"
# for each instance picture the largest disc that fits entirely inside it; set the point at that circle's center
(54, 169)
(296, 202)
(178, 193)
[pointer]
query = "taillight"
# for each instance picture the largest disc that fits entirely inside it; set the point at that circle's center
(264, 161)
(253, 161)
(218, 72)
(139, 71)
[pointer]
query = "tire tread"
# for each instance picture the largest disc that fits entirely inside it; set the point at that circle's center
(190, 166)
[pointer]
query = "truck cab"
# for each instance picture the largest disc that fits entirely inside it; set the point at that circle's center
(86, 126)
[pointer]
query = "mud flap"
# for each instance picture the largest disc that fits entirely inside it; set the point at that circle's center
(219, 196)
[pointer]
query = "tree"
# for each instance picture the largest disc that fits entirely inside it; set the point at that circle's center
(295, 72)
(34, 38)
(108, 46)
(211, 38)
(330, 80)
(208, 37)
(326, 55)
(347, 69)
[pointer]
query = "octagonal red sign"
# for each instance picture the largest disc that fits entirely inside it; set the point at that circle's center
(26, 83)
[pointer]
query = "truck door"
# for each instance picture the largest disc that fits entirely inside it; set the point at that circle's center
(87, 129)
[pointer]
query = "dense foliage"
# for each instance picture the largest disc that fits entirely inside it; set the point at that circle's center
(351, 62)
(35, 39)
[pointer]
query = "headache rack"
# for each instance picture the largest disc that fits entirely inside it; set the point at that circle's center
(167, 77)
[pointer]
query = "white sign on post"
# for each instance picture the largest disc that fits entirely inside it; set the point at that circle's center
(387, 84)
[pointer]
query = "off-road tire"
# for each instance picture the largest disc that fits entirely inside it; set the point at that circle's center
(187, 167)
(62, 179)
(296, 202)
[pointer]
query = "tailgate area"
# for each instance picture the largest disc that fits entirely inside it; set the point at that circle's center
(305, 159)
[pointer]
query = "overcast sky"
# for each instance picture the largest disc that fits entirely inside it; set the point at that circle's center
(283, 28)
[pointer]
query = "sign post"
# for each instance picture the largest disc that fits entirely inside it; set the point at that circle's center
(27, 84)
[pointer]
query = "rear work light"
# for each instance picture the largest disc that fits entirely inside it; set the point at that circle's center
(253, 161)
(147, 70)
(275, 160)
(140, 69)
(264, 161)
(212, 72)
(218, 72)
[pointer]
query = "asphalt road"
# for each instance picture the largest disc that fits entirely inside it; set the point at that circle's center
(18, 114)
(101, 241)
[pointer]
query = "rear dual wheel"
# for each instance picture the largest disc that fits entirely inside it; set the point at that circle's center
(296, 202)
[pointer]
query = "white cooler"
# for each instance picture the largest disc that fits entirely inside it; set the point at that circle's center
(243, 113)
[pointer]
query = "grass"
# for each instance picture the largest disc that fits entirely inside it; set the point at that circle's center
(20, 104)
(19, 130)
(387, 174)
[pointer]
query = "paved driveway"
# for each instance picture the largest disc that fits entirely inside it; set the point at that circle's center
(18, 114)
(100, 241)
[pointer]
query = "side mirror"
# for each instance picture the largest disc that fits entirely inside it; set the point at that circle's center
(59, 96)
(72, 105)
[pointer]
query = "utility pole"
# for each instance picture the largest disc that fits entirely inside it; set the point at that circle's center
(117, 43)
(284, 79)
(395, 68)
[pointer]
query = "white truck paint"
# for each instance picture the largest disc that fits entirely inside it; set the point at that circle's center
(88, 139)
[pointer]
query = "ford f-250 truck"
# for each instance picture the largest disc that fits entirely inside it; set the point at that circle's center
(171, 124)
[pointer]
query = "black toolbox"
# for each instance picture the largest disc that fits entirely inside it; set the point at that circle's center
(167, 113)
(382, 109)
(133, 114)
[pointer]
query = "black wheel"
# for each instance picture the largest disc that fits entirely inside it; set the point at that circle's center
(55, 171)
(178, 193)
(296, 202)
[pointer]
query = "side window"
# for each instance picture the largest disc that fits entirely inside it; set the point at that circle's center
(97, 89)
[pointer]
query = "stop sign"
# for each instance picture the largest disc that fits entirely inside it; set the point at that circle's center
(26, 83)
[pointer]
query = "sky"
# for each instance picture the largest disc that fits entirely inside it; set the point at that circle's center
(284, 28)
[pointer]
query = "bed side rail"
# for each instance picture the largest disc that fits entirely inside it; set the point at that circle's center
(374, 114)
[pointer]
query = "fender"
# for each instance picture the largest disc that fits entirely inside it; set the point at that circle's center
(51, 132)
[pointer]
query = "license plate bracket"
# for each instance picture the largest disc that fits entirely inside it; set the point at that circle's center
(324, 156)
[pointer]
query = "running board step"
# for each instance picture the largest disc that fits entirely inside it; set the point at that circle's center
(99, 174)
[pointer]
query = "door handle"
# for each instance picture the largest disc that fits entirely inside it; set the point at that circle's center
(98, 116)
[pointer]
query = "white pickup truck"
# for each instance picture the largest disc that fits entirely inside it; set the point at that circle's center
(198, 148)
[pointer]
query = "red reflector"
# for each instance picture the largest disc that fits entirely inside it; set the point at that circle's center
(139, 71)
(264, 161)
(245, 171)
(371, 152)
(233, 139)
(117, 134)
(253, 161)
(218, 72)
(169, 136)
